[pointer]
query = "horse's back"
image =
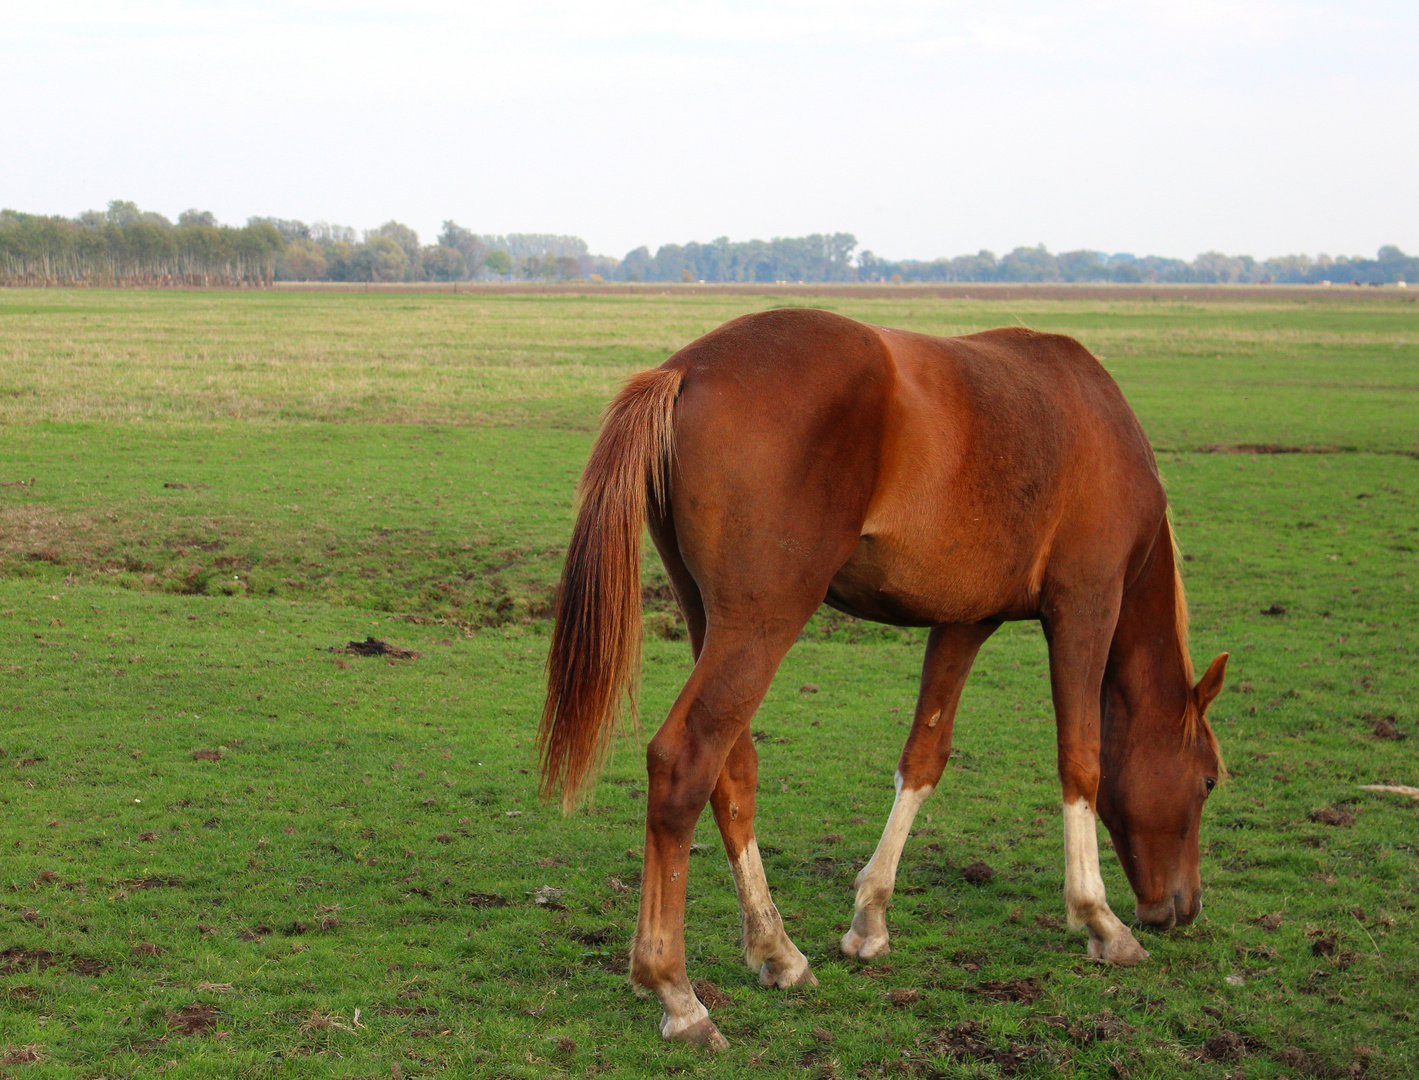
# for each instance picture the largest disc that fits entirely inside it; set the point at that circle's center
(939, 478)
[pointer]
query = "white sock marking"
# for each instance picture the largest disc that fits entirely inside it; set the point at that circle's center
(1084, 897)
(877, 880)
(767, 947)
(1083, 883)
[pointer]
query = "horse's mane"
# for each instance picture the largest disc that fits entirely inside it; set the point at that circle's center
(1194, 723)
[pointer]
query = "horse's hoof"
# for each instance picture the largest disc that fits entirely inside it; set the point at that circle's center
(1123, 951)
(783, 978)
(701, 1033)
(863, 947)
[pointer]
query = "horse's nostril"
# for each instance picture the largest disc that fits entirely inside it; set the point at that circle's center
(1189, 911)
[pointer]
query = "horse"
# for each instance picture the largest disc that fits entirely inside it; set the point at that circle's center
(794, 456)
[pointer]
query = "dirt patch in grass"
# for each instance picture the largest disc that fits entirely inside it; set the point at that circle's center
(21, 1055)
(157, 881)
(373, 646)
(966, 1043)
(1101, 1028)
(1307, 1063)
(1384, 727)
(1025, 991)
(1340, 816)
(193, 1019)
(1229, 1046)
(596, 937)
(15, 959)
(406, 1010)
(978, 872)
(483, 900)
(711, 996)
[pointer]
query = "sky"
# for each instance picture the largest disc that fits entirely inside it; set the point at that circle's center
(1262, 127)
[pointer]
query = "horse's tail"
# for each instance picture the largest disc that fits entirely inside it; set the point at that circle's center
(594, 662)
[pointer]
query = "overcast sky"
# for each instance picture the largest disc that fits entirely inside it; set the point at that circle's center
(1263, 127)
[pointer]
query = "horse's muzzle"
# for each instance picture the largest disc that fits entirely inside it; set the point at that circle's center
(1174, 910)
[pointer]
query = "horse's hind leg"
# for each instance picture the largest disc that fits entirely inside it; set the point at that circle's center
(950, 651)
(685, 761)
(767, 947)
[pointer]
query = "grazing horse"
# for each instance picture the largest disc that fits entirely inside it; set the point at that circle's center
(794, 456)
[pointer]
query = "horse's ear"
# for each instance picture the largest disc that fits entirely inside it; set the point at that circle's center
(1210, 685)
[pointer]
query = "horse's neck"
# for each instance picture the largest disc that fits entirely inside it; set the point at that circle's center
(1149, 673)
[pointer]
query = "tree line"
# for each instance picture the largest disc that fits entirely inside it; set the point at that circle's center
(124, 245)
(1038, 264)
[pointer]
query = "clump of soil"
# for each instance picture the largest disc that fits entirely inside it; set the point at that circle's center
(407, 1010)
(193, 1019)
(1309, 1064)
(373, 646)
(15, 959)
(1274, 609)
(479, 899)
(1101, 1028)
(1340, 816)
(711, 996)
(21, 1055)
(978, 872)
(1229, 1046)
(599, 937)
(1025, 991)
(1385, 728)
(965, 1043)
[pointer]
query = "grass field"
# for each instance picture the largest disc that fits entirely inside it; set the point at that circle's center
(232, 852)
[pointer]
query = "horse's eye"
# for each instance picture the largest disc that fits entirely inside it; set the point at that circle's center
(1210, 781)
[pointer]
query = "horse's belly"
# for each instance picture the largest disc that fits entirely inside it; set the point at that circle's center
(864, 600)
(891, 583)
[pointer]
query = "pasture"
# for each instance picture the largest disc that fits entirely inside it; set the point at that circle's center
(230, 851)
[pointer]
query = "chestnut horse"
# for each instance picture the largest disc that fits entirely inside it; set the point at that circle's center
(794, 456)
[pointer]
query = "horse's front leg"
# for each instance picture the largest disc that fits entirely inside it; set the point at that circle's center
(767, 946)
(1079, 637)
(950, 651)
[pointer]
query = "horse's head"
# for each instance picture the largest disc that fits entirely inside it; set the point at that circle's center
(1157, 771)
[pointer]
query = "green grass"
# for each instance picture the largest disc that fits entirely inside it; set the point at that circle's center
(370, 839)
